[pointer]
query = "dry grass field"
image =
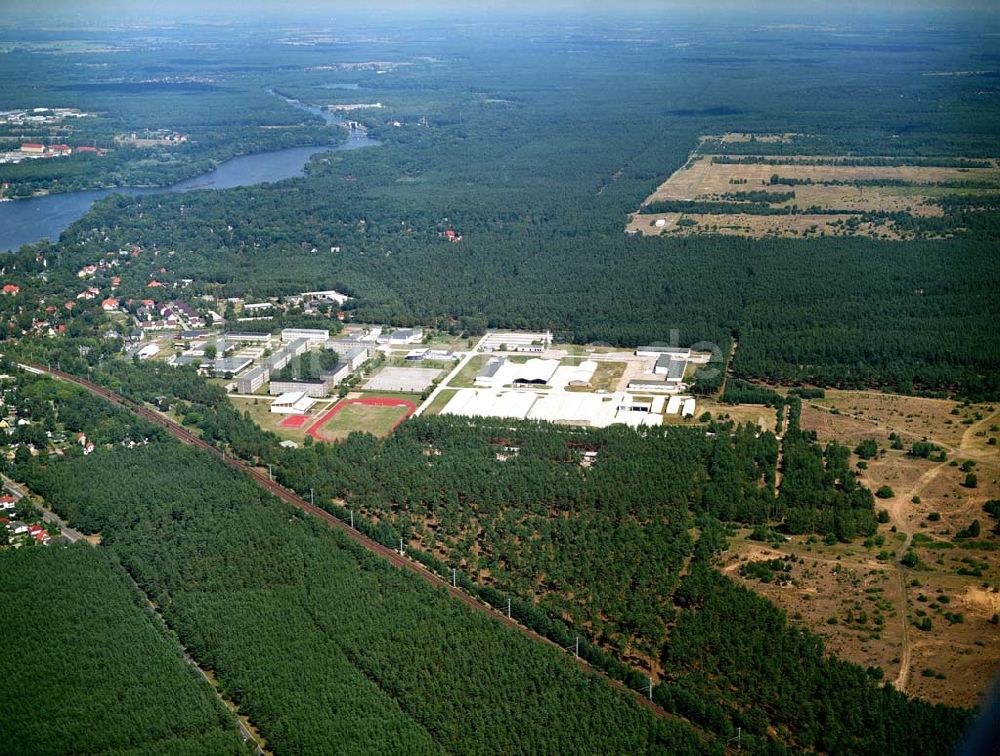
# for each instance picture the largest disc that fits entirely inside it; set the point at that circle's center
(740, 136)
(955, 585)
(361, 415)
(260, 413)
(763, 417)
(757, 226)
(706, 178)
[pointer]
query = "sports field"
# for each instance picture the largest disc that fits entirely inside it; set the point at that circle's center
(376, 415)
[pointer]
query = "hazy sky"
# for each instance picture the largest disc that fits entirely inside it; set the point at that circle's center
(105, 8)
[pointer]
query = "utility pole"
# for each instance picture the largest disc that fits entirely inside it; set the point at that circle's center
(650, 688)
(269, 475)
(352, 519)
(311, 501)
(576, 652)
(401, 551)
(454, 577)
(738, 739)
(508, 609)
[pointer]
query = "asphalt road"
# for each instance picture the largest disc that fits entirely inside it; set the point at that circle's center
(68, 533)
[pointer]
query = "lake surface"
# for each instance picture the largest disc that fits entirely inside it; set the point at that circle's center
(29, 220)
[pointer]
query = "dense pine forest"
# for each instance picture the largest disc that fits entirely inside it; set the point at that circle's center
(234, 571)
(322, 644)
(88, 669)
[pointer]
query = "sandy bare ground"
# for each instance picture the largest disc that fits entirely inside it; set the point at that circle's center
(701, 177)
(833, 188)
(756, 226)
(954, 662)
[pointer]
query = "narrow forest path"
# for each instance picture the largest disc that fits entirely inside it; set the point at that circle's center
(896, 507)
(727, 371)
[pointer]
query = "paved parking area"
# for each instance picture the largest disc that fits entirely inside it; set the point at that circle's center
(411, 380)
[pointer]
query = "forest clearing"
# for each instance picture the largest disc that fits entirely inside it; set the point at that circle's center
(758, 195)
(916, 453)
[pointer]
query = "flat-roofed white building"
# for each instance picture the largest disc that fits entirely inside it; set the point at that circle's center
(654, 386)
(574, 375)
(516, 341)
(569, 408)
(309, 334)
(244, 337)
(293, 403)
(329, 295)
(577, 408)
(637, 419)
(480, 403)
(535, 371)
(682, 353)
(148, 351)
(441, 354)
(688, 410)
(674, 405)
(402, 336)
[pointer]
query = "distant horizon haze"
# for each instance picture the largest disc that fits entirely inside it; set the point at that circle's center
(250, 10)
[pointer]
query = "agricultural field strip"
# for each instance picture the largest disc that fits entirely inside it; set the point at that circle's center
(851, 188)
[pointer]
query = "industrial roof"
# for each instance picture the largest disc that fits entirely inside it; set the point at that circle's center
(491, 367)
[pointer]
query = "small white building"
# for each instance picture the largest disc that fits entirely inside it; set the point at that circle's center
(402, 336)
(516, 341)
(148, 351)
(670, 366)
(329, 295)
(248, 338)
(293, 403)
(682, 353)
(674, 405)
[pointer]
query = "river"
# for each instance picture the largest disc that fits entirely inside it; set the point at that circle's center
(29, 220)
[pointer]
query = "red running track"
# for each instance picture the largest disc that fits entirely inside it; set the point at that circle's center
(376, 401)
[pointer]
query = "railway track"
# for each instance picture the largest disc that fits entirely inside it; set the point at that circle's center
(394, 557)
